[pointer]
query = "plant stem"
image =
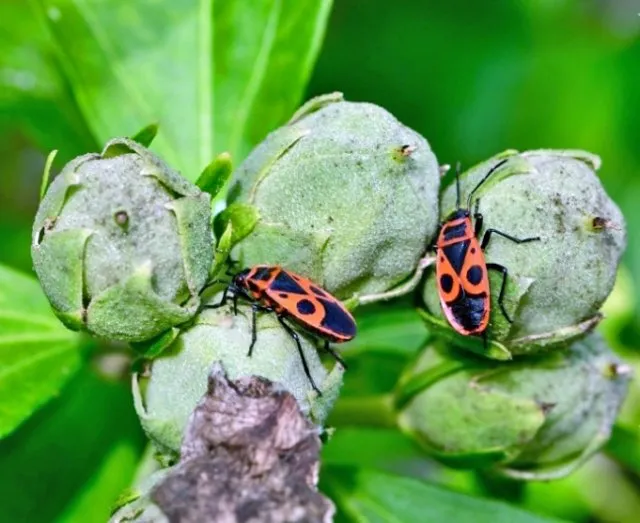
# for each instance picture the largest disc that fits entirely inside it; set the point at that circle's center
(369, 411)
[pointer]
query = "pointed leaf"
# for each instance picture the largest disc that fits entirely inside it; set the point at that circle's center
(46, 174)
(146, 135)
(216, 175)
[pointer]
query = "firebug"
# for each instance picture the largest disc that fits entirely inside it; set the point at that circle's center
(461, 269)
(291, 297)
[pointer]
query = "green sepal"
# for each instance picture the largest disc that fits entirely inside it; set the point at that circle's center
(155, 346)
(63, 253)
(315, 104)
(501, 423)
(196, 242)
(132, 311)
(153, 165)
(494, 349)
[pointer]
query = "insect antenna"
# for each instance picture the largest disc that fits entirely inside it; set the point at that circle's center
(457, 185)
(486, 177)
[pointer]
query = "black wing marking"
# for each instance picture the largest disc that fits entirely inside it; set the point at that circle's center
(456, 253)
(336, 319)
(285, 283)
(469, 310)
(264, 273)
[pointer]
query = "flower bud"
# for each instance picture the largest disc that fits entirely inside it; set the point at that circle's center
(538, 418)
(345, 195)
(178, 377)
(122, 244)
(555, 286)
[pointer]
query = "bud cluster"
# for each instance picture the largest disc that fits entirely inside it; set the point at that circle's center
(348, 197)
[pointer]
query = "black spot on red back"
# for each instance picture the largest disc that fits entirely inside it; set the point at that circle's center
(474, 274)
(446, 282)
(305, 307)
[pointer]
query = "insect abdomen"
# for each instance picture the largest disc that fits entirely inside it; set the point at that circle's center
(469, 311)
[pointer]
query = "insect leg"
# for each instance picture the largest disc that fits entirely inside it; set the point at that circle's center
(505, 273)
(254, 331)
(489, 232)
(334, 353)
(477, 216)
(222, 302)
(296, 338)
(255, 307)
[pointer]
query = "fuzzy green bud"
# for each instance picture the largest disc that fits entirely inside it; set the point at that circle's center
(178, 377)
(345, 195)
(555, 286)
(122, 244)
(533, 419)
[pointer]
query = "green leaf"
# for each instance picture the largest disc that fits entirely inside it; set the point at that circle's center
(217, 75)
(241, 216)
(37, 354)
(360, 447)
(397, 330)
(33, 95)
(146, 135)
(216, 175)
(71, 460)
(368, 496)
(624, 447)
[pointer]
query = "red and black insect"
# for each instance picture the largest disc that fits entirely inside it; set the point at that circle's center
(461, 269)
(292, 297)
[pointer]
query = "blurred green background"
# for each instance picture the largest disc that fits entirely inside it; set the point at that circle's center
(474, 78)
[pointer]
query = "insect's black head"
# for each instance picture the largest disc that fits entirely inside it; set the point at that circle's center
(458, 213)
(240, 279)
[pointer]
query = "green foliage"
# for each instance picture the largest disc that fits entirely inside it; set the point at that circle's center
(34, 95)
(216, 175)
(241, 217)
(71, 460)
(368, 496)
(37, 354)
(217, 75)
(624, 446)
